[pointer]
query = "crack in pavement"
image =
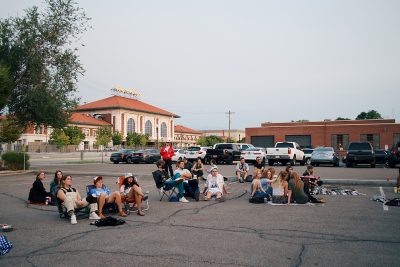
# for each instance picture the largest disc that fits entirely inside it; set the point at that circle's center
(299, 258)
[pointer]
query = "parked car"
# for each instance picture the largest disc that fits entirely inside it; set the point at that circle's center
(251, 154)
(180, 154)
(307, 155)
(324, 155)
(285, 152)
(146, 156)
(381, 156)
(394, 155)
(360, 153)
(226, 152)
(124, 155)
(194, 152)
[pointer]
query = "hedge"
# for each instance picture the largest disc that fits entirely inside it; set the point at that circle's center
(15, 160)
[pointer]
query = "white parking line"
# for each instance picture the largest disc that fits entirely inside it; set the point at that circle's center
(385, 207)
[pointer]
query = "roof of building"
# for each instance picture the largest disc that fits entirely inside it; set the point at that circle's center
(183, 129)
(328, 123)
(118, 102)
(80, 118)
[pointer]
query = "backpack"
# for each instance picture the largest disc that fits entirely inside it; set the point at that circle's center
(249, 178)
(109, 221)
(393, 202)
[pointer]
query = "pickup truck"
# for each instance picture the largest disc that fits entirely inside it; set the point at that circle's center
(285, 152)
(225, 152)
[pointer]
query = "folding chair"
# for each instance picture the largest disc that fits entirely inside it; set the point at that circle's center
(108, 207)
(162, 190)
(124, 199)
(81, 212)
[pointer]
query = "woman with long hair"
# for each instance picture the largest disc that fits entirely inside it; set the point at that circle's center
(55, 185)
(296, 186)
(133, 192)
(280, 192)
(38, 193)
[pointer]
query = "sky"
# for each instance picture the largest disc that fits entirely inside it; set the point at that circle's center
(264, 60)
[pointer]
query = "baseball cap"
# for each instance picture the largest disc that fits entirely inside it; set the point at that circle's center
(96, 178)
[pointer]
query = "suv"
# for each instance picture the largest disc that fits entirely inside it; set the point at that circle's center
(394, 155)
(194, 152)
(360, 152)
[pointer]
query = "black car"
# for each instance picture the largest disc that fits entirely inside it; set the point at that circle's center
(125, 155)
(146, 156)
(394, 155)
(381, 156)
(360, 153)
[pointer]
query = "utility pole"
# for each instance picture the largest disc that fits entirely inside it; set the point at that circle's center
(229, 113)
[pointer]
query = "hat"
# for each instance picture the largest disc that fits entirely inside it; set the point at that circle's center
(97, 178)
(214, 168)
(128, 174)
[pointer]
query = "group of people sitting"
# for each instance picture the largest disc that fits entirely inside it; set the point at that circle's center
(62, 192)
(285, 188)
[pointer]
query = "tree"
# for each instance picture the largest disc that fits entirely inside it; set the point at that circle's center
(59, 138)
(40, 51)
(117, 138)
(342, 119)
(135, 139)
(209, 140)
(370, 115)
(75, 134)
(103, 136)
(5, 85)
(10, 130)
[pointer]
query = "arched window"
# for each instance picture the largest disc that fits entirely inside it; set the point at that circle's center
(131, 126)
(148, 128)
(163, 129)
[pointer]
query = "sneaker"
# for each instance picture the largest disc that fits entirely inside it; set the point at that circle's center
(73, 219)
(93, 216)
(197, 195)
(183, 199)
(140, 213)
(145, 197)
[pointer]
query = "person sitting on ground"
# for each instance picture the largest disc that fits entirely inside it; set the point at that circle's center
(191, 185)
(164, 182)
(188, 164)
(280, 192)
(258, 165)
(104, 196)
(214, 185)
(310, 173)
(242, 169)
(131, 190)
(37, 193)
(296, 186)
(289, 170)
(213, 164)
(266, 179)
(198, 168)
(55, 185)
(71, 200)
(257, 191)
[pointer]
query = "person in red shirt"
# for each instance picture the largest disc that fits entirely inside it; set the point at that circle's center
(167, 152)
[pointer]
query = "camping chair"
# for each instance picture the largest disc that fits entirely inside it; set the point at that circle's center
(169, 193)
(81, 212)
(124, 199)
(108, 207)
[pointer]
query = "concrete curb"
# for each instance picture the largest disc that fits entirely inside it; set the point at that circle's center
(7, 173)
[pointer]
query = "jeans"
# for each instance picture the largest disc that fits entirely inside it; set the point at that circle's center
(260, 194)
(168, 185)
(168, 167)
(191, 187)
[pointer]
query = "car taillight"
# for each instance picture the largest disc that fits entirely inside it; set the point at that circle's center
(289, 150)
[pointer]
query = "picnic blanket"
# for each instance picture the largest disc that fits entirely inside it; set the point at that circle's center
(336, 191)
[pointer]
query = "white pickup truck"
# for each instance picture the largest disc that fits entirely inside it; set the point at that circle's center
(285, 152)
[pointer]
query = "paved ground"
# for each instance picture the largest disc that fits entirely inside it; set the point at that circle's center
(346, 231)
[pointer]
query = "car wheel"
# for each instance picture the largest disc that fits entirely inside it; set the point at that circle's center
(293, 161)
(317, 164)
(271, 162)
(229, 161)
(129, 160)
(116, 162)
(180, 158)
(349, 165)
(373, 165)
(308, 161)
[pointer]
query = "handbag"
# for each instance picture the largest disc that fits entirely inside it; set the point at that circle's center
(5, 245)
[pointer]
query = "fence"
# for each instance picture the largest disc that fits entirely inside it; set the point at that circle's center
(43, 147)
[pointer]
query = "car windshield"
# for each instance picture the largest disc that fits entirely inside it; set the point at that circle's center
(194, 149)
(224, 146)
(126, 151)
(323, 149)
(360, 146)
(140, 151)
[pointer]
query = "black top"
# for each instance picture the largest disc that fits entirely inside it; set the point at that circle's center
(188, 166)
(38, 193)
(160, 177)
(259, 165)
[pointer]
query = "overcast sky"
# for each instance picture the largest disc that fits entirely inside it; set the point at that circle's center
(264, 60)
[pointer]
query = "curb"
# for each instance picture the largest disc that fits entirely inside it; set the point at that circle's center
(8, 173)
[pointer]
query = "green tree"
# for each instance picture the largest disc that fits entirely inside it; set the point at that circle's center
(75, 134)
(370, 115)
(103, 136)
(59, 138)
(117, 138)
(209, 140)
(135, 139)
(342, 119)
(143, 139)
(40, 50)
(5, 85)
(10, 130)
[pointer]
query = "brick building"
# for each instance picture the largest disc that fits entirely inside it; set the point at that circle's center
(185, 137)
(380, 133)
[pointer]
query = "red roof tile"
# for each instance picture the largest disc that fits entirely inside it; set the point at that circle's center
(114, 102)
(183, 129)
(79, 118)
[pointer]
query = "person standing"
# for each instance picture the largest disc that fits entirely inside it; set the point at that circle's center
(167, 152)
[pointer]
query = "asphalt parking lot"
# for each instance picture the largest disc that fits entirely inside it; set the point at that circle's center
(346, 231)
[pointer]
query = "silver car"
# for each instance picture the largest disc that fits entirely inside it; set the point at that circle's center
(324, 155)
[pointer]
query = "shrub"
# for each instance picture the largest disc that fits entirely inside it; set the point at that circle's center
(15, 160)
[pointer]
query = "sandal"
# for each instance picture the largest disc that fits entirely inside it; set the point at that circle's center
(122, 213)
(140, 213)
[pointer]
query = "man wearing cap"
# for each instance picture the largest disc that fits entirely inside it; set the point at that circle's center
(167, 152)
(242, 168)
(104, 195)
